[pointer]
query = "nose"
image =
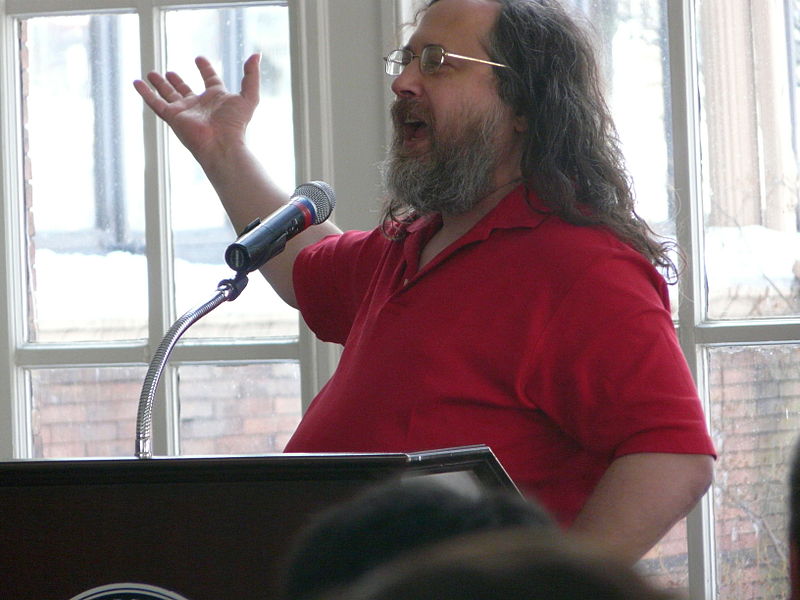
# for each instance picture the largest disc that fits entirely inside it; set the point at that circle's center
(409, 83)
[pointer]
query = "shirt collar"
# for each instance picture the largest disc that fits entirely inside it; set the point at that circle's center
(520, 208)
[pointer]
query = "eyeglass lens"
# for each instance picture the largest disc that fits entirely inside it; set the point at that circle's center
(396, 61)
(430, 59)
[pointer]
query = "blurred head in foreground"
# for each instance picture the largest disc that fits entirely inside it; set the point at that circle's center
(393, 519)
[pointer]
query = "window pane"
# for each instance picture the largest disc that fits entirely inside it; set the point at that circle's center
(749, 167)
(245, 409)
(83, 185)
(200, 228)
(755, 418)
(81, 412)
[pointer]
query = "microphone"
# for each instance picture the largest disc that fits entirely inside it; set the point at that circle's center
(310, 204)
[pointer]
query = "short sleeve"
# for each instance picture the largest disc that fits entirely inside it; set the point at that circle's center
(610, 370)
(330, 279)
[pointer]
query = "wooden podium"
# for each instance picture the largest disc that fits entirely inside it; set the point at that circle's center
(207, 528)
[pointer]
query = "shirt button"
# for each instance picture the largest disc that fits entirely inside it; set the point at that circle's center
(405, 282)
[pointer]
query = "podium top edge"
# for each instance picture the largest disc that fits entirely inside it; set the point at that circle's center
(246, 468)
(277, 457)
(205, 458)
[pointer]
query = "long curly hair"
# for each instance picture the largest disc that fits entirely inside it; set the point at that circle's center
(571, 158)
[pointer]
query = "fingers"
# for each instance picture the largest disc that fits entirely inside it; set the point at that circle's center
(251, 80)
(170, 88)
(166, 86)
(156, 104)
(207, 72)
(182, 89)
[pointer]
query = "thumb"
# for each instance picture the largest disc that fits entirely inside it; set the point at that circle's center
(251, 82)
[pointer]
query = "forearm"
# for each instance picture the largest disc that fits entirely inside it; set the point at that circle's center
(640, 497)
(248, 193)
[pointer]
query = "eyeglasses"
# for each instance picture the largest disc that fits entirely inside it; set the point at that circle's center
(430, 60)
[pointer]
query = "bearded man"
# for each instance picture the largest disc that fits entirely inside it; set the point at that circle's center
(510, 297)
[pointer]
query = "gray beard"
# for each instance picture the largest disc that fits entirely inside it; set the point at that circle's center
(452, 177)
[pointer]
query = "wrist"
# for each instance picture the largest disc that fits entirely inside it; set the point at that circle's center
(222, 157)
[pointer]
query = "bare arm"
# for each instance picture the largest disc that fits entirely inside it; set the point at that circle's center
(640, 497)
(212, 126)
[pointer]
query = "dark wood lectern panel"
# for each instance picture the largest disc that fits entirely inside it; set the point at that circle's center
(205, 528)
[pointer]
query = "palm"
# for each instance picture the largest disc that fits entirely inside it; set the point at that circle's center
(213, 116)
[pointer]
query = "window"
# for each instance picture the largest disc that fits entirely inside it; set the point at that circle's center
(747, 254)
(112, 232)
(704, 94)
(87, 231)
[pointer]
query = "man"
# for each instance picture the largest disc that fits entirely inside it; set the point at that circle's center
(510, 300)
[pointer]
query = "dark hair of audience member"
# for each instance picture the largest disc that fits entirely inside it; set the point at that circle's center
(510, 565)
(389, 520)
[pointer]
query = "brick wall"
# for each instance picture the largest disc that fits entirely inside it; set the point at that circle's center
(248, 409)
(85, 412)
(224, 410)
(755, 412)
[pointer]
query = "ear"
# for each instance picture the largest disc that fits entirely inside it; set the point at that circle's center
(794, 570)
(520, 124)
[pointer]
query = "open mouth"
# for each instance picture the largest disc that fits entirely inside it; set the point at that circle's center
(414, 129)
(413, 124)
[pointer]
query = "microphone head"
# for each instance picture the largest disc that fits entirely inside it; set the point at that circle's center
(321, 196)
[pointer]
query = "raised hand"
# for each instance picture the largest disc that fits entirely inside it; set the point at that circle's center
(209, 123)
(212, 126)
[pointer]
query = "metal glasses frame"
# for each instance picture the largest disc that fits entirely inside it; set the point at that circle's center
(398, 59)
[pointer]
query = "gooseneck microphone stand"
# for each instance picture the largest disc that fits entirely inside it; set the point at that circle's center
(227, 291)
(310, 204)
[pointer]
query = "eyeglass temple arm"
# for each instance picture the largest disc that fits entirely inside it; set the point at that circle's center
(478, 60)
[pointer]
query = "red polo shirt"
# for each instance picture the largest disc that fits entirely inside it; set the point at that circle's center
(551, 343)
